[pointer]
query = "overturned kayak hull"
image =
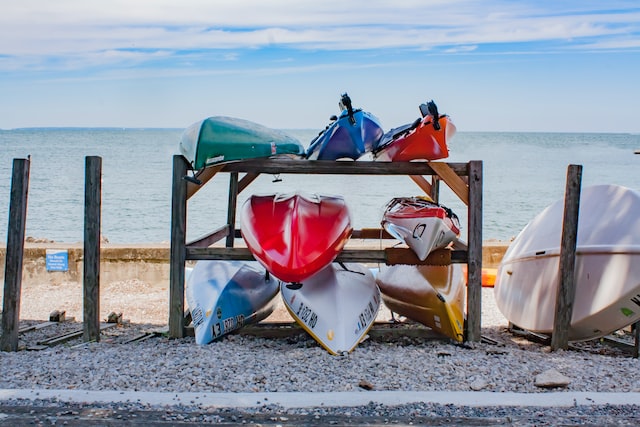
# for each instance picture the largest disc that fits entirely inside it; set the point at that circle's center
(423, 142)
(420, 224)
(295, 235)
(607, 266)
(352, 134)
(223, 296)
(223, 139)
(337, 306)
(433, 295)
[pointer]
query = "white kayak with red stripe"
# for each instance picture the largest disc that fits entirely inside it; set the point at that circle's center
(421, 224)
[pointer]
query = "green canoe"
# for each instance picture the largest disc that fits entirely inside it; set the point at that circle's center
(223, 139)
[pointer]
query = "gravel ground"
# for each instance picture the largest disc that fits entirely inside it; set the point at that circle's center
(411, 361)
(56, 413)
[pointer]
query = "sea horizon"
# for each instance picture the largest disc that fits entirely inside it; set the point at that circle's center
(170, 128)
(523, 172)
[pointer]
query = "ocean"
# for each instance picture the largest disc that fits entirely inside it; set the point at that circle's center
(523, 173)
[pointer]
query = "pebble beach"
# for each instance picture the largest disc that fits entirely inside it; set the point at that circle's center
(502, 362)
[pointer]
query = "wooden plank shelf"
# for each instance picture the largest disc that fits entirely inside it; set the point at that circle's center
(465, 180)
(380, 331)
(389, 256)
(315, 167)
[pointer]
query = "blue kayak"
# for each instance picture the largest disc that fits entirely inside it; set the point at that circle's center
(224, 296)
(352, 134)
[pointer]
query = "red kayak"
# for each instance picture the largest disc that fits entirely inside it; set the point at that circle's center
(294, 236)
(424, 139)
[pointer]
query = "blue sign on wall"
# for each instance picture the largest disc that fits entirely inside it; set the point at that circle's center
(57, 260)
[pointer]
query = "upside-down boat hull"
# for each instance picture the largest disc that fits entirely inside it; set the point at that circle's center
(607, 266)
(352, 134)
(223, 139)
(295, 235)
(223, 296)
(433, 295)
(337, 306)
(420, 140)
(420, 224)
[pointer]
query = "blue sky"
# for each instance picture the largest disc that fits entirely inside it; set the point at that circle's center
(495, 65)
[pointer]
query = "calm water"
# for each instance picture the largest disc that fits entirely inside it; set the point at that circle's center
(523, 173)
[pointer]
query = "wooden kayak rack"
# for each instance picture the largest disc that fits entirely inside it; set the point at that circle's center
(464, 179)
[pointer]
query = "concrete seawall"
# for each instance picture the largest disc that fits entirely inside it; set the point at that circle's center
(146, 262)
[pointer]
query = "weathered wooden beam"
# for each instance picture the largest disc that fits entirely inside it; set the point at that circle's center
(231, 207)
(225, 254)
(371, 233)
(474, 253)
(14, 255)
(246, 180)
(203, 175)
(177, 250)
(566, 290)
(211, 238)
(390, 256)
(91, 254)
(394, 256)
(636, 339)
(364, 234)
(382, 331)
(452, 179)
(284, 166)
(435, 188)
(221, 232)
(58, 339)
(422, 182)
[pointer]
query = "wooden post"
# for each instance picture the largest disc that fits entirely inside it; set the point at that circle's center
(231, 210)
(474, 262)
(178, 250)
(566, 288)
(635, 329)
(435, 188)
(14, 254)
(91, 265)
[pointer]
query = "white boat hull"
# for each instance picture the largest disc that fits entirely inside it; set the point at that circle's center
(607, 266)
(336, 306)
(422, 235)
(421, 224)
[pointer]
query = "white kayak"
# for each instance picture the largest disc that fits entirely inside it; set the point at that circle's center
(607, 266)
(336, 306)
(223, 296)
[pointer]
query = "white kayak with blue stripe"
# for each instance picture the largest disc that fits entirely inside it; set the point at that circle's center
(224, 296)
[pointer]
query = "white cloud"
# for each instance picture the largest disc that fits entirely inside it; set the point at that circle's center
(77, 32)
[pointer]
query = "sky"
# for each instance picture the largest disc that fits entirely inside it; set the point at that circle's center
(495, 65)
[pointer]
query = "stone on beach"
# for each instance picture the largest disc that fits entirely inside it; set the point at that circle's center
(552, 379)
(478, 384)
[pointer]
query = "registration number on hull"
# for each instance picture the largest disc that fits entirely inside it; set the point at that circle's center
(227, 325)
(307, 315)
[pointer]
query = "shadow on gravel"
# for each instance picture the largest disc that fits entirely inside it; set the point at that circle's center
(52, 413)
